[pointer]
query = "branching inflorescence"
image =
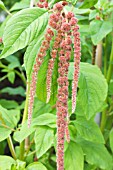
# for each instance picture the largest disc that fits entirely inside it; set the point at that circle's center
(63, 26)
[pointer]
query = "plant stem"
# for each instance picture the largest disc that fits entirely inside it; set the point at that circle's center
(11, 147)
(21, 76)
(9, 140)
(109, 75)
(105, 58)
(22, 145)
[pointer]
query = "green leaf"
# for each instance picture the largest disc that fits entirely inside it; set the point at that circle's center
(4, 133)
(36, 165)
(20, 165)
(74, 158)
(99, 29)
(89, 130)
(14, 91)
(6, 162)
(96, 154)
(93, 14)
(10, 117)
(2, 6)
(20, 5)
(31, 54)
(92, 88)
(41, 84)
(88, 3)
(72, 1)
(22, 28)
(40, 108)
(44, 138)
(45, 119)
(8, 104)
(11, 76)
(23, 132)
(111, 139)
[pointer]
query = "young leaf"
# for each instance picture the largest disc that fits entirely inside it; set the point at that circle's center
(89, 130)
(72, 1)
(36, 165)
(6, 162)
(74, 158)
(11, 76)
(92, 88)
(96, 154)
(44, 138)
(99, 29)
(22, 28)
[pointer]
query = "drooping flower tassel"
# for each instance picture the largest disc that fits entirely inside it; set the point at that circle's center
(77, 55)
(39, 59)
(62, 102)
(55, 23)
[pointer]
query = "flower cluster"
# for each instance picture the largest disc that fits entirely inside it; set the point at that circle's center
(39, 59)
(42, 4)
(63, 26)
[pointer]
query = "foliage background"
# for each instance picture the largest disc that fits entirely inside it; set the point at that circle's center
(91, 146)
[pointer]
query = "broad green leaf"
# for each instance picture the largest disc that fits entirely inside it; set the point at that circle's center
(40, 108)
(6, 162)
(44, 138)
(41, 84)
(20, 5)
(44, 119)
(11, 76)
(111, 139)
(14, 91)
(96, 154)
(23, 133)
(8, 104)
(22, 28)
(36, 165)
(10, 117)
(2, 6)
(89, 130)
(31, 54)
(4, 132)
(92, 88)
(47, 119)
(74, 158)
(88, 3)
(99, 29)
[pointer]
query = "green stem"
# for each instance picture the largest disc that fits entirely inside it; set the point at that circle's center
(21, 76)
(22, 145)
(11, 147)
(105, 58)
(109, 75)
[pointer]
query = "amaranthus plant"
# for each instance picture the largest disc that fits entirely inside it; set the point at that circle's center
(58, 52)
